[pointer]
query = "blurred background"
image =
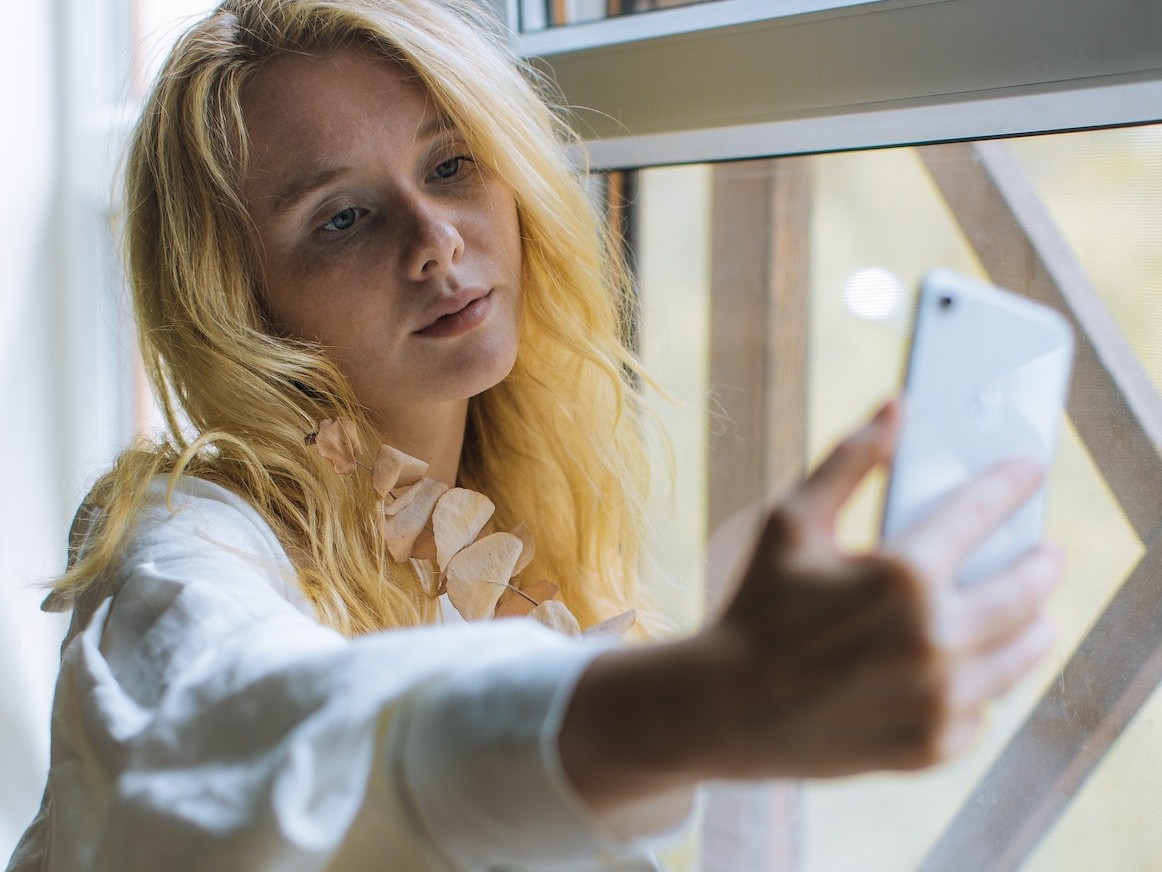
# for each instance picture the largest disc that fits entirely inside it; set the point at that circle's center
(775, 296)
(69, 379)
(1058, 781)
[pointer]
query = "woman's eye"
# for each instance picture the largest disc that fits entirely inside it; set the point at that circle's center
(344, 219)
(450, 168)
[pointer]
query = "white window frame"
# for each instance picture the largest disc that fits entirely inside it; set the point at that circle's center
(720, 81)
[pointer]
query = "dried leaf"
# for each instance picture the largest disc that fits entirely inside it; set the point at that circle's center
(514, 604)
(613, 628)
(555, 615)
(401, 498)
(425, 544)
(428, 575)
(401, 529)
(338, 442)
(479, 574)
(394, 469)
(457, 520)
(522, 532)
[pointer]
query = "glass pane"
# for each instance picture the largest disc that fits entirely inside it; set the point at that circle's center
(673, 265)
(870, 224)
(1104, 191)
(1112, 824)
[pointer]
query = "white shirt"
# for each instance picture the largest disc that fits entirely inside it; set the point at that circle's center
(205, 720)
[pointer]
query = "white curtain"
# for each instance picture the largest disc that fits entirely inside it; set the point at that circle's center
(36, 479)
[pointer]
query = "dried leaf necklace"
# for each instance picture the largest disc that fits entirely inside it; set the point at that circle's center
(446, 534)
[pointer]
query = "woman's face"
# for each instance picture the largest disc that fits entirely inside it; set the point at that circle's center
(380, 237)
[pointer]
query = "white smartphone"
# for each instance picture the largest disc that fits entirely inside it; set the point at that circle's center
(986, 380)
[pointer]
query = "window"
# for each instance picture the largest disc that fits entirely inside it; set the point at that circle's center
(775, 298)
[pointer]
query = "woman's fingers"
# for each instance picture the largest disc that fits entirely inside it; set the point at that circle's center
(990, 611)
(997, 631)
(820, 497)
(938, 543)
(806, 518)
(958, 735)
(992, 674)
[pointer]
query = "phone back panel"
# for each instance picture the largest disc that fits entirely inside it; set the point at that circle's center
(987, 376)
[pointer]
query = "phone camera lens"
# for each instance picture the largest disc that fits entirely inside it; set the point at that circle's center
(946, 301)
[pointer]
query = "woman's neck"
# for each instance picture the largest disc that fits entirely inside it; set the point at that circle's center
(432, 432)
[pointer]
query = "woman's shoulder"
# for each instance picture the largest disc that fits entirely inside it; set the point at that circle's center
(198, 506)
(187, 513)
(204, 528)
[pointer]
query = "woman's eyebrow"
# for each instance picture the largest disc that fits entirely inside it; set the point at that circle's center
(291, 195)
(434, 126)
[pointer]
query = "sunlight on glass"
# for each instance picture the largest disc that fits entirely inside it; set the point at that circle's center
(873, 293)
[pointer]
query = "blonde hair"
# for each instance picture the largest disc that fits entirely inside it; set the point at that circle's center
(556, 444)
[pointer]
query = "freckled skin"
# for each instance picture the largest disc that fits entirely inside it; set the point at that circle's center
(408, 220)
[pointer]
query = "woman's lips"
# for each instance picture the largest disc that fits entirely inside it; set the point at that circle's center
(460, 321)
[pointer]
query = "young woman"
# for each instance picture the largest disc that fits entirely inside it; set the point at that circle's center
(351, 223)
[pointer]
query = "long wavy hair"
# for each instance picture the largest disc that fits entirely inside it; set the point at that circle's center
(557, 444)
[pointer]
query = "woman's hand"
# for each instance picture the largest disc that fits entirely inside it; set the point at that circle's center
(824, 663)
(849, 663)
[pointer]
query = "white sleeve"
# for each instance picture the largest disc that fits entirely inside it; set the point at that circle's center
(204, 720)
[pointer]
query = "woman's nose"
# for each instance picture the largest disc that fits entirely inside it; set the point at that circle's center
(435, 244)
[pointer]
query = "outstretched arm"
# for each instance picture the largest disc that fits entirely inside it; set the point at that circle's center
(824, 663)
